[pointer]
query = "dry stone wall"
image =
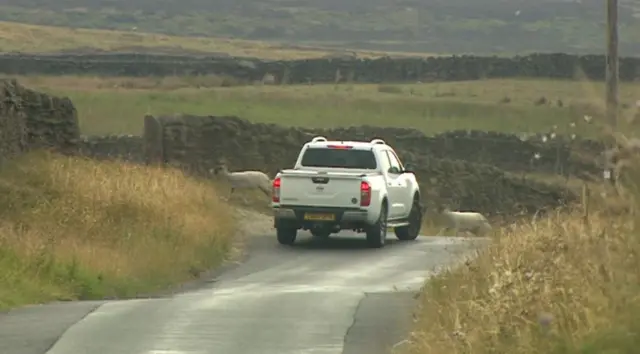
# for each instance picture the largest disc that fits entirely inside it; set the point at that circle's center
(31, 120)
(556, 65)
(13, 123)
(113, 147)
(505, 151)
(197, 144)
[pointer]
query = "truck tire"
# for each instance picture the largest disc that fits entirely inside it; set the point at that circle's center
(286, 236)
(377, 233)
(411, 231)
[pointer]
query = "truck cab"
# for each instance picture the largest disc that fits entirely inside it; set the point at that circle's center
(347, 185)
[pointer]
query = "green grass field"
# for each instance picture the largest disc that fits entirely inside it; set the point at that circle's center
(117, 105)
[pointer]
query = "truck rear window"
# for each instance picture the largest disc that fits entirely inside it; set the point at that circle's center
(339, 158)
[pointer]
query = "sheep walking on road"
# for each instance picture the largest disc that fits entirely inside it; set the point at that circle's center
(245, 179)
(468, 221)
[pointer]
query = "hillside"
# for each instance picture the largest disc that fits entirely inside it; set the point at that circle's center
(444, 26)
(25, 38)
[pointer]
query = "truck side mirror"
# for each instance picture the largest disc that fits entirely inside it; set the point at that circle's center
(408, 168)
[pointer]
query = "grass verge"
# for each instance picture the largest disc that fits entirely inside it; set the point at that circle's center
(565, 284)
(73, 228)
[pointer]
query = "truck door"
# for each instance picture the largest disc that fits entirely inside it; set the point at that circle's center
(404, 196)
(394, 186)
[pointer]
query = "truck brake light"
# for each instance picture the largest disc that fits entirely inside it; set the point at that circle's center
(365, 194)
(275, 196)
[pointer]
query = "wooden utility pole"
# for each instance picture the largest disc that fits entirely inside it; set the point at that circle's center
(612, 74)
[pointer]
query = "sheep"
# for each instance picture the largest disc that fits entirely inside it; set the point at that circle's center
(626, 149)
(472, 222)
(245, 179)
(616, 159)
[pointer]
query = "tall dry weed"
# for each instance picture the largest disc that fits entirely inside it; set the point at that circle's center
(565, 284)
(77, 228)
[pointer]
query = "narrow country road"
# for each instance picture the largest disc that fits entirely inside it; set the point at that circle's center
(330, 297)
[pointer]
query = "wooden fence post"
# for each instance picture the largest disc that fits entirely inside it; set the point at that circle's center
(153, 141)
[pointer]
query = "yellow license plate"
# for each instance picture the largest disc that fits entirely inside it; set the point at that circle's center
(319, 217)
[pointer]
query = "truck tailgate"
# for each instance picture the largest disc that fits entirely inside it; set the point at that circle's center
(310, 188)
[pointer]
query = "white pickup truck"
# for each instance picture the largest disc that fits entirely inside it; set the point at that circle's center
(347, 185)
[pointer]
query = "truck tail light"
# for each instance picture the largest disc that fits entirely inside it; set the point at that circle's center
(365, 194)
(275, 196)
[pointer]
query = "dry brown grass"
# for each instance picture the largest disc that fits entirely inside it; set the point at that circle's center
(72, 228)
(567, 283)
(564, 284)
(27, 38)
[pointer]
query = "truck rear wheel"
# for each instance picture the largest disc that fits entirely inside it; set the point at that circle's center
(286, 236)
(411, 231)
(377, 233)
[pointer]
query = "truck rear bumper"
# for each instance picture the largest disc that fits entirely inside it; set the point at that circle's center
(342, 218)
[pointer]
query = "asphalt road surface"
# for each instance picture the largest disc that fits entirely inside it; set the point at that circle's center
(318, 297)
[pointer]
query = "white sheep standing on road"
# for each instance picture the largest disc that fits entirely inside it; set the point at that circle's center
(245, 179)
(469, 221)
